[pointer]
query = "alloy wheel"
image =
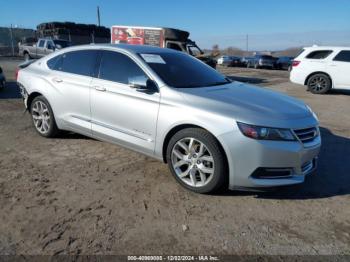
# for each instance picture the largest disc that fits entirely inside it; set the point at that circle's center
(318, 83)
(41, 117)
(193, 162)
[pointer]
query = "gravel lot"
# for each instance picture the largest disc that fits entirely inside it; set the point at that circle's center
(76, 195)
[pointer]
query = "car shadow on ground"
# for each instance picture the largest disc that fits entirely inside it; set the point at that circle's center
(339, 92)
(71, 135)
(10, 91)
(250, 80)
(332, 177)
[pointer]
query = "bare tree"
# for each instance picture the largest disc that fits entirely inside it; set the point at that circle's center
(215, 50)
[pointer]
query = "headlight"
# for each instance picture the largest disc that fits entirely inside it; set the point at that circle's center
(266, 133)
(312, 112)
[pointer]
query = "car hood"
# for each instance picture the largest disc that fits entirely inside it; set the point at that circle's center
(246, 103)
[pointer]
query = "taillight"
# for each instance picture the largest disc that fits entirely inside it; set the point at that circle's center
(16, 73)
(295, 63)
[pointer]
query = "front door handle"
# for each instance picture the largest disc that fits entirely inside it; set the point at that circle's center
(100, 88)
(57, 80)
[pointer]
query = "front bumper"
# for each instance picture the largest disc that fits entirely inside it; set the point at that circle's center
(247, 157)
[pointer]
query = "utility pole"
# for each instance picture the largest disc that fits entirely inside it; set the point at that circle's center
(98, 16)
(11, 35)
(247, 43)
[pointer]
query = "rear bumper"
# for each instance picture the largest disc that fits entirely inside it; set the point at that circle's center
(247, 157)
(297, 77)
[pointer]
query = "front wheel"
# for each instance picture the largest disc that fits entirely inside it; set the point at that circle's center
(43, 118)
(319, 84)
(197, 161)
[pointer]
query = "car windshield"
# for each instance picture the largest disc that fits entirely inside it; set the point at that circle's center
(194, 50)
(180, 70)
(62, 43)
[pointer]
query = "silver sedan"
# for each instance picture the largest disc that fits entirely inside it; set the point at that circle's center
(212, 132)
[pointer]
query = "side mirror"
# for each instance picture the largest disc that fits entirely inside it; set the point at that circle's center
(151, 86)
(144, 85)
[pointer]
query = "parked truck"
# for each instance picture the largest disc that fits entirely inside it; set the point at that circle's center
(43, 47)
(162, 37)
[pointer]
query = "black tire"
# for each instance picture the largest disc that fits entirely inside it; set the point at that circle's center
(220, 174)
(53, 130)
(26, 57)
(319, 83)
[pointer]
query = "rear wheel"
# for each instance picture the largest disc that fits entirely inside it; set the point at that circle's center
(43, 118)
(196, 160)
(319, 84)
(26, 57)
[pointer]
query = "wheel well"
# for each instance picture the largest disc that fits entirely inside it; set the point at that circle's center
(176, 129)
(31, 98)
(170, 134)
(314, 73)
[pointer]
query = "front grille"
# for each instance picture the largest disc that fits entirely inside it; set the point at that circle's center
(307, 134)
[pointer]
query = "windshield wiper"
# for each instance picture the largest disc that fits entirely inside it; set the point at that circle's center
(228, 81)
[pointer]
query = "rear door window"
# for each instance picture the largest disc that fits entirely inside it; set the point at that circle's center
(321, 54)
(55, 62)
(343, 56)
(80, 62)
(41, 43)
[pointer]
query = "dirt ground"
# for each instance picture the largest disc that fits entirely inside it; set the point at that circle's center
(75, 195)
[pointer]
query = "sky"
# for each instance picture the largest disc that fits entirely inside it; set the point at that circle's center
(269, 24)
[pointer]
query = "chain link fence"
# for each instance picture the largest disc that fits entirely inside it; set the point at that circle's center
(10, 37)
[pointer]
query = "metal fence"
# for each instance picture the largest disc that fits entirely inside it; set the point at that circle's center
(10, 37)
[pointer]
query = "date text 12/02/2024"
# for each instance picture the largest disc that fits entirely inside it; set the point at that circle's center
(173, 258)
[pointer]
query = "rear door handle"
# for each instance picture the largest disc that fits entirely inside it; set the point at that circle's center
(100, 88)
(57, 80)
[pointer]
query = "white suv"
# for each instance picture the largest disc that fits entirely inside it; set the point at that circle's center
(322, 68)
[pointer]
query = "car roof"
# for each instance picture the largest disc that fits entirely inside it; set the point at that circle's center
(327, 48)
(126, 47)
